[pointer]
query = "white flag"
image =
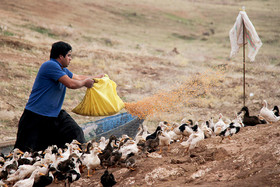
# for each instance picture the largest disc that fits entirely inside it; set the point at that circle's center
(236, 36)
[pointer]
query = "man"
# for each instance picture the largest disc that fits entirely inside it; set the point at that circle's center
(43, 123)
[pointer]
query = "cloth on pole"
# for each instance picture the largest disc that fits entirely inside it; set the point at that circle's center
(252, 38)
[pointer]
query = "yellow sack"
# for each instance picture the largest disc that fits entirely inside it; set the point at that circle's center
(100, 100)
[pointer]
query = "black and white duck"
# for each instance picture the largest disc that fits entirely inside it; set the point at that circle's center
(194, 138)
(130, 161)
(152, 144)
(229, 131)
(186, 129)
(74, 174)
(45, 179)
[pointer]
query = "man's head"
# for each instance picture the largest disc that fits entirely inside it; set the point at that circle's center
(61, 51)
(60, 48)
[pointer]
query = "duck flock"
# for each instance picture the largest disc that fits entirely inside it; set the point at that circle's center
(55, 165)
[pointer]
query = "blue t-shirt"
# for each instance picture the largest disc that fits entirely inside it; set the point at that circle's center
(48, 93)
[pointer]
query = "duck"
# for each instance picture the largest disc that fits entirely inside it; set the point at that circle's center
(91, 161)
(154, 134)
(210, 123)
(29, 181)
(114, 159)
(24, 171)
(106, 152)
(45, 180)
(74, 174)
(194, 138)
(11, 165)
(175, 133)
(276, 111)
(102, 143)
(250, 120)
(130, 161)
(107, 179)
(186, 129)
(138, 136)
(65, 166)
(3, 184)
(268, 114)
(208, 132)
(229, 131)
(129, 146)
(152, 144)
(237, 121)
(164, 140)
(220, 125)
(145, 131)
(26, 159)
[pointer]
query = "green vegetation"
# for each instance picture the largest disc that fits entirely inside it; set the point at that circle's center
(42, 30)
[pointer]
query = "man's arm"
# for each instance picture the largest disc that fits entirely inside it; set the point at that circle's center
(77, 82)
(82, 77)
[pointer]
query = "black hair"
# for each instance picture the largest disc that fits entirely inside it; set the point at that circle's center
(60, 48)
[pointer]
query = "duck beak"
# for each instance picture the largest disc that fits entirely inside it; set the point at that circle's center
(41, 174)
(99, 151)
(21, 152)
(9, 155)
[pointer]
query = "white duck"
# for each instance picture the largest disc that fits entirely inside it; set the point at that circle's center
(145, 131)
(26, 170)
(194, 138)
(164, 140)
(29, 181)
(175, 133)
(208, 132)
(220, 125)
(91, 161)
(128, 147)
(268, 114)
(138, 136)
(102, 143)
(238, 120)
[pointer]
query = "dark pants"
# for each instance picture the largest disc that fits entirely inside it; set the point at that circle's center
(36, 132)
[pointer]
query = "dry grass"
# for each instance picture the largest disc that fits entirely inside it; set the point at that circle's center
(132, 41)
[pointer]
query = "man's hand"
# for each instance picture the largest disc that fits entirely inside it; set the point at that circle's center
(89, 82)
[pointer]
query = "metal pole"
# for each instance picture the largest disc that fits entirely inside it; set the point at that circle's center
(244, 43)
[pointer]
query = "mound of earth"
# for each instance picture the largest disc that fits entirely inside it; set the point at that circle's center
(249, 158)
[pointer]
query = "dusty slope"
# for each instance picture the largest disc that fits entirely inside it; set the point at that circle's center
(132, 41)
(250, 158)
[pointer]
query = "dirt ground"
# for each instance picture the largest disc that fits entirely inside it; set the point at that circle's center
(133, 42)
(250, 158)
